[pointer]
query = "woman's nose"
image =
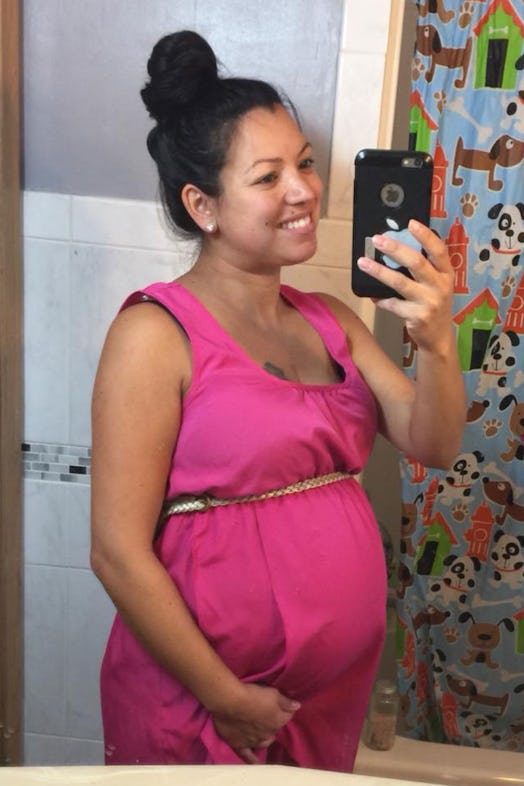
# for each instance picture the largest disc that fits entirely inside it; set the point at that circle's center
(299, 189)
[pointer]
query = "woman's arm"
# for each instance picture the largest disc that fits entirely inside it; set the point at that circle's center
(144, 370)
(424, 418)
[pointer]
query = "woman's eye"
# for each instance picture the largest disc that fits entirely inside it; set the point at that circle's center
(269, 178)
(307, 163)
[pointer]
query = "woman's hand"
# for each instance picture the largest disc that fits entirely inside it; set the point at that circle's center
(254, 720)
(423, 417)
(427, 297)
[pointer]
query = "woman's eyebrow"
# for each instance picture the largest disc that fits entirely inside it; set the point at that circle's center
(276, 160)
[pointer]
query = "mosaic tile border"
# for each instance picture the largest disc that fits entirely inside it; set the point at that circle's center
(58, 463)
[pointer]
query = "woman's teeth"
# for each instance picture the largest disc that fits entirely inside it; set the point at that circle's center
(299, 223)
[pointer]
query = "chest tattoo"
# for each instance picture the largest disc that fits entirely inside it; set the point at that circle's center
(275, 370)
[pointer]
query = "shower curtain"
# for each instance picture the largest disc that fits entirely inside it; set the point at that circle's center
(460, 633)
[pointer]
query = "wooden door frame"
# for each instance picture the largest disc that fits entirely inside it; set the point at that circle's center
(11, 401)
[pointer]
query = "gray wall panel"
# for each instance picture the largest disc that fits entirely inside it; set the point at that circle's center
(85, 62)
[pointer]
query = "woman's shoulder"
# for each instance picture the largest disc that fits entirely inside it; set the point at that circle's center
(145, 335)
(343, 313)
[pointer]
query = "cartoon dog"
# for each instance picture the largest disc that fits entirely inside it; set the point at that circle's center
(483, 637)
(501, 493)
(516, 424)
(427, 617)
(464, 472)
(480, 729)
(408, 522)
(428, 43)
(458, 580)
(507, 241)
(499, 360)
(405, 579)
(506, 151)
(468, 692)
(507, 558)
(515, 108)
(436, 7)
(476, 410)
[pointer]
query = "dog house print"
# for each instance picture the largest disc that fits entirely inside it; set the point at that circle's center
(475, 325)
(420, 124)
(434, 548)
(519, 632)
(499, 45)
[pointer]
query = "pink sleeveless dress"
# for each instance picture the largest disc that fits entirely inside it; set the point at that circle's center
(290, 591)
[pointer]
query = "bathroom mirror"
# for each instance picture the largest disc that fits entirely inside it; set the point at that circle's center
(91, 233)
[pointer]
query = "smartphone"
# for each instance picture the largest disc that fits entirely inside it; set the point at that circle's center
(390, 188)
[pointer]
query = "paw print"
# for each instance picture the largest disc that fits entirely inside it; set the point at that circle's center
(417, 69)
(469, 204)
(441, 99)
(451, 635)
(508, 285)
(465, 13)
(491, 427)
(460, 511)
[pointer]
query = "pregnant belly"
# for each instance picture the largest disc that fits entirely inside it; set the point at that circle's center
(291, 594)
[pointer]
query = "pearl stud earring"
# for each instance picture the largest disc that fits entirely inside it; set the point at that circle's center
(210, 227)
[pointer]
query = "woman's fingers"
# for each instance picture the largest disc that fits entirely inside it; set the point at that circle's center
(425, 296)
(391, 278)
(266, 743)
(422, 270)
(252, 724)
(434, 247)
(248, 754)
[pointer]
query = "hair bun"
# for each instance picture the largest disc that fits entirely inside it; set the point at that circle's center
(182, 67)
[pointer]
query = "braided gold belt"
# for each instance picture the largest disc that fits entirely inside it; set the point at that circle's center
(195, 504)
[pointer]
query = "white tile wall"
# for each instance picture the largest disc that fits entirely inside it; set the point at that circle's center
(45, 649)
(47, 216)
(101, 278)
(359, 95)
(77, 507)
(89, 610)
(44, 750)
(46, 526)
(366, 26)
(356, 124)
(46, 339)
(125, 223)
(83, 255)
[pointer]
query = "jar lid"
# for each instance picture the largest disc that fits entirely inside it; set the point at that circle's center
(387, 687)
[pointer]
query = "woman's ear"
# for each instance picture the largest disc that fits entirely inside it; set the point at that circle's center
(200, 207)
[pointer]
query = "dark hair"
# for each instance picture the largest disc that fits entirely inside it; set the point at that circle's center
(196, 112)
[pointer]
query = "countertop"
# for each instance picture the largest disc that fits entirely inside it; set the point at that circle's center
(189, 775)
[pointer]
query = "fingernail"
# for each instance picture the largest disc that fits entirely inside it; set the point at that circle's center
(382, 242)
(363, 263)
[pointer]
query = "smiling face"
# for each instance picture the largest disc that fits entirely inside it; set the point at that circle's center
(268, 211)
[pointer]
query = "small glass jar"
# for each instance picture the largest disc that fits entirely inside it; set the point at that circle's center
(382, 716)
